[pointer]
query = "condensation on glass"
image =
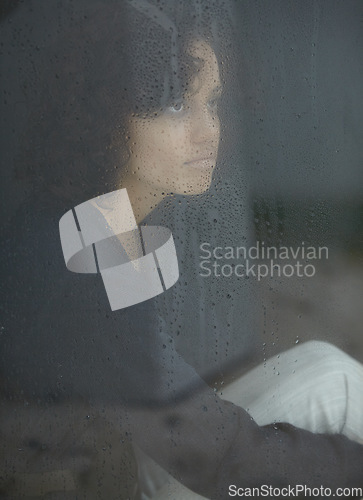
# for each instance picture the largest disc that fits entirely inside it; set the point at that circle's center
(236, 126)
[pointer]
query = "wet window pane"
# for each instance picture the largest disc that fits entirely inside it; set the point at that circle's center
(181, 249)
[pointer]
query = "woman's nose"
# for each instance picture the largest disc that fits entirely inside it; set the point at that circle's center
(205, 125)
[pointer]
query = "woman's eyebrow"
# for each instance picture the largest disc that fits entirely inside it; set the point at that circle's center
(215, 92)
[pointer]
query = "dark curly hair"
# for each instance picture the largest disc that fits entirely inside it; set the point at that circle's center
(116, 59)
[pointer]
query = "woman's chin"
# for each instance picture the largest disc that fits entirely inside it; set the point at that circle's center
(193, 188)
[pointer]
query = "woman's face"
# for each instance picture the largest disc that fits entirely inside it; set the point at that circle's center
(177, 150)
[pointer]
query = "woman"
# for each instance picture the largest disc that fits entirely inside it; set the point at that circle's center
(87, 379)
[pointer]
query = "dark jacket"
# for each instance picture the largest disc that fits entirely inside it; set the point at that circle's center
(61, 342)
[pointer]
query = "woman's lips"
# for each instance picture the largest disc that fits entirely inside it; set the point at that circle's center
(204, 161)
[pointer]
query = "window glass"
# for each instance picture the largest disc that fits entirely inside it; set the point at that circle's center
(181, 248)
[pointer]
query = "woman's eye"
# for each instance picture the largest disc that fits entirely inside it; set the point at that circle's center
(177, 107)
